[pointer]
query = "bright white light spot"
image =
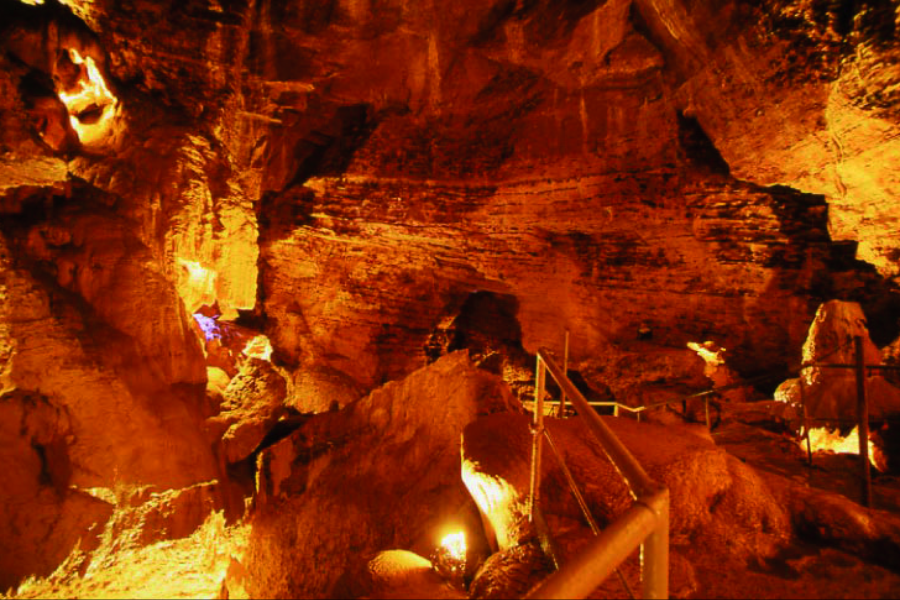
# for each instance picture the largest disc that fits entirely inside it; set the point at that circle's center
(90, 95)
(259, 347)
(455, 544)
(822, 439)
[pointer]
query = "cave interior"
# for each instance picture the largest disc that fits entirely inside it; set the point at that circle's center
(400, 298)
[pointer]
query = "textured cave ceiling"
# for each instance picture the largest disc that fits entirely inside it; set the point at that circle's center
(374, 183)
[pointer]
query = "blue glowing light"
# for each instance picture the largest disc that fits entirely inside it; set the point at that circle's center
(210, 327)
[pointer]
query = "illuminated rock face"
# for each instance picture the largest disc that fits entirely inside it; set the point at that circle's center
(99, 406)
(801, 94)
(407, 155)
(354, 172)
(829, 394)
(387, 467)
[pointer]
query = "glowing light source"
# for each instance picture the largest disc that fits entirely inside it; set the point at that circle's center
(91, 96)
(450, 558)
(455, 545)
(209, 325)
(259, 347)
(708, 352)
(822, 439)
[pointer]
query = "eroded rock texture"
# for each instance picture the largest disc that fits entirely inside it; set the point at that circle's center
(358, 173)
(386, 468)
(797, 93)
(831, 394)
(586, 158)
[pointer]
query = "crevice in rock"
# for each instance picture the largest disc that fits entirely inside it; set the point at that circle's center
(486, 324)
(327, 151)
(698, 149)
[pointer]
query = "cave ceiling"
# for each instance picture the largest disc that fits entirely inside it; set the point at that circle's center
(349, 173)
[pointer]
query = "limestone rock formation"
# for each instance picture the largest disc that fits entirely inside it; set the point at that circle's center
(582, 157)
(402, 574)
(251, 404)
(831, 394)
(796, 93)
(100, 411)
(385, 471)
(706, 485)
(360, 179)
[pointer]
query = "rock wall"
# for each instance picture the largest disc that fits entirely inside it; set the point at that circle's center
(606, 163)
(353, 172)
(797, 93)
(381, 473)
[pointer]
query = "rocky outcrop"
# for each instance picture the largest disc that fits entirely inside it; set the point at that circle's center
(356, 290)
(251, 404)
(98, 409)
(381, 473)
(796, 93)
(708, 488)
(830, 394)
(562, 154)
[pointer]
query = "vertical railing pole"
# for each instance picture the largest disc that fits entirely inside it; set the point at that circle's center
(537, 443)
(806, 421)
(655, 554)
(562, 398)
(862, 411)
(706, 408)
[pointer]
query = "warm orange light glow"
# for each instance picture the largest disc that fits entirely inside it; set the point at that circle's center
(821, 439)
(455, 545)
(196, 284)
(496, 499)
(91, 95)
(259, 347)
(196, 271)
(190, 567)
(713, 357)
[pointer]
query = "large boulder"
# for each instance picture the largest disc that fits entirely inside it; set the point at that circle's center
(381, 473)
(714, 497)
(252, 403)
(830, 394)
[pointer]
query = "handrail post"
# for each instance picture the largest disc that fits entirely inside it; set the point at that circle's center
(806, 421)
(655, 550)
(562, 397)
(862, 410)
(537, 440)
(706, 409)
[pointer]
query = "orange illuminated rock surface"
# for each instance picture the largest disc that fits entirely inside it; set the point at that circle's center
(830, 394)
(364, 189)
(387, 466)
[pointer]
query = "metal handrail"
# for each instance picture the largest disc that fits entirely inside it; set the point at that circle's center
(645, 524)
(637, 410)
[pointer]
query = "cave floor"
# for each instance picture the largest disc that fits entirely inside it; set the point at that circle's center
(780, 454)
(803, 570)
